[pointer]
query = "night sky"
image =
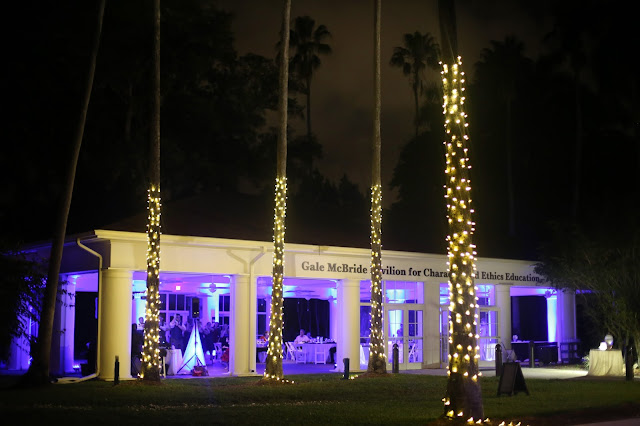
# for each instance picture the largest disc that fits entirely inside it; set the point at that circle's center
(342, 96)
(342, 88)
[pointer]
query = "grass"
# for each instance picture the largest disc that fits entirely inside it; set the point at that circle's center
(396, 399)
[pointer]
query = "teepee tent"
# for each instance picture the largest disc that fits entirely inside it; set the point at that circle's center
(193, 353)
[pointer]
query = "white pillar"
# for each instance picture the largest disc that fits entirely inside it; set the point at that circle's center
(348, 337)
(67, 323)
(115, 323)
(205, 309)
(19, 358)
(431, 325)
(503, 301)
(242, 330)
(566, 316)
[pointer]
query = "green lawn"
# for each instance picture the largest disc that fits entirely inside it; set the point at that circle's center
(313, 399)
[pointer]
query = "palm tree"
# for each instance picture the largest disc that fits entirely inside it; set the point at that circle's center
(150, 370)
(571, 35)
(377, 357)
(463, 398)
(503, 66)
(309, 43)
(418, 52)
(273, 368)
(38, 373)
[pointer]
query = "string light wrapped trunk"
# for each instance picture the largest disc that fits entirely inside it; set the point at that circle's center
(463, 399)
(150, 368)
(377, 356)
(273, 368)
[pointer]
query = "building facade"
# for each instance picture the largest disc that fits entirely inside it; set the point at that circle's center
(230, 282)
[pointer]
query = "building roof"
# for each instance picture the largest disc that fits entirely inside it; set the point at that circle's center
(242, 217)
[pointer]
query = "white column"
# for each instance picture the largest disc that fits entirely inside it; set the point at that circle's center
(431, 325)
(19, 356)
(242, 328)
(67, 323)
(115, 323)
(566, 316)
(348, 338)
(205, 309)
(503, 302)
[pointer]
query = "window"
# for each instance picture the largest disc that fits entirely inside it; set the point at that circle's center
(261, 320)
(403, 292)
(224, 308)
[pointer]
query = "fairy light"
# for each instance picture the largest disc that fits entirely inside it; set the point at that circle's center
(463, 349)
(377, 356)
(151, 348)
(273, 369)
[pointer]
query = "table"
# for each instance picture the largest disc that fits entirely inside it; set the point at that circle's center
(605, 363)
(174, 359)
(261, 351)
(310, 350)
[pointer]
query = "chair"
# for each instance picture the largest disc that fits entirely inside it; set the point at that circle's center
(218, 349)
(296, 352)
(320, 355)
(291, 351)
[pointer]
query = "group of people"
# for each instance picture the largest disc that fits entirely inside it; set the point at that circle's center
(213, 333)
(306, 338)
(176, 334)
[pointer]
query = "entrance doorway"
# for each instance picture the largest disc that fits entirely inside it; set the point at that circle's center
(405, 329)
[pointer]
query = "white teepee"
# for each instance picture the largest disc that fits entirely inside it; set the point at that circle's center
(193, 353)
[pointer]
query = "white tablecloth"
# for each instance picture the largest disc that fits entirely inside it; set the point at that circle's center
(605, 363)
(311, 348)
(174, 359)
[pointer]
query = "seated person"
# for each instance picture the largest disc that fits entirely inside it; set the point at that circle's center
(301, 338)
(261, 347)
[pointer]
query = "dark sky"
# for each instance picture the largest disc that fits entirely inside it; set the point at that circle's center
(342, 89)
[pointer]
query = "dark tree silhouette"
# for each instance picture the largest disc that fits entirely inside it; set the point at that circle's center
(38, 373)
(418, 52)
(309, 43)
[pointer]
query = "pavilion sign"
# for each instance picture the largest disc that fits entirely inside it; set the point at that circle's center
(326, 267)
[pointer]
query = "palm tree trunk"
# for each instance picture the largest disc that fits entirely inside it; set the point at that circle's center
(273, 368)
(463, 398)
(577, 167)
(510, 177)
(309, 110)
(38, 372)
(150, 370)
(416, 103)
(377, 357)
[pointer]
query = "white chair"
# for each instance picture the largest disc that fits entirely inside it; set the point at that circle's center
(320, 355)
(299, 354)
(412, 352)
(291, 351)
(218, 349)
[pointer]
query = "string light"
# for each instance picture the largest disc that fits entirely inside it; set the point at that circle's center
(150, 367)
(273, 369)
(463, 348)
(377, 356)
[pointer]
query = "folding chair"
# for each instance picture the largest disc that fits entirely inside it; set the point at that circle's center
(291, 351)
(320, 355)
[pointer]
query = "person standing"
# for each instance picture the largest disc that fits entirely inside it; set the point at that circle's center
(175, 332)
